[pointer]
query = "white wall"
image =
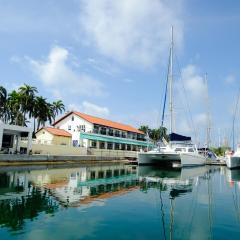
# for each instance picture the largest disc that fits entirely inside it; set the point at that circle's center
(77, 121)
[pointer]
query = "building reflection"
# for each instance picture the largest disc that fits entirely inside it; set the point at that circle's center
(25, 194)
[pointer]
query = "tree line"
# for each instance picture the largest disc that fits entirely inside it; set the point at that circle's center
(20, 106)
(155, 134)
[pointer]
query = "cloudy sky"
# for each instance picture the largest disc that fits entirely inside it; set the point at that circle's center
(109, 58)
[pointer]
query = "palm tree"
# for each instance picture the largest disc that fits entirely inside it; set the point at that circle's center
(42, 111)
(144, 128)
(57, 107)
(3, 104)
(27, 93)
(14, 107)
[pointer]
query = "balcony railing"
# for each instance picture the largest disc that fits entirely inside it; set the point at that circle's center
(116, 134)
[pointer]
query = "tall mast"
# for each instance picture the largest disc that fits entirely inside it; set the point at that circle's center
(171, 85)
(208, 134)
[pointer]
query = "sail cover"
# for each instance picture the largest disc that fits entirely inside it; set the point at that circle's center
(177, 137)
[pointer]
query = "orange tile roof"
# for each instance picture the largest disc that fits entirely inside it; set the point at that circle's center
(101, 121)
(57, 132)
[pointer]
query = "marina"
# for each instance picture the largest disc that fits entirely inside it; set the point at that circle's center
(105, 201)
(119, 120)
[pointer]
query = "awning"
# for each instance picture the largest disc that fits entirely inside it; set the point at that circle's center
(177, 137)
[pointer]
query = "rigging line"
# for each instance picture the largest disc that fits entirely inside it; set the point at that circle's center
(209, 208)
(235, 202)
(165, 96)
(194, 204)
(234, 118)
(162, 98)
(162, 212)
(171, 219)
(187, 102)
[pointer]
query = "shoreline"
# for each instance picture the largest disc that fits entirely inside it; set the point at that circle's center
(16, 159)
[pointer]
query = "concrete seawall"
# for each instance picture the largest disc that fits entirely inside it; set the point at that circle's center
(10, 159)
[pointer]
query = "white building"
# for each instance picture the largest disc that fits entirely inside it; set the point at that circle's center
(94, 132)
(10, 136)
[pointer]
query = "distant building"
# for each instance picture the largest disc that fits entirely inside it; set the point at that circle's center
(94, 132)
(49, 135)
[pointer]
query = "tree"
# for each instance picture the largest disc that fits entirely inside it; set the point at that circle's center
(14, 107)
(57, 107)
(27, 96)
(42, 111)
(156, 134)
(3, 104)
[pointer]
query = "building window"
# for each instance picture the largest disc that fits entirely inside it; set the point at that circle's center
(108, 174)
(96, 129)
(92, 175)
(117, 134)
(100, 174)
(102, 145)
(93, 144)
(123, 147)
(116, 173)
(110, 132)
(117, 146)
(109, 145)
(103, 131)
(124, 135)
(69, 127)
(72, 118)
(83, 128)
(129, 147)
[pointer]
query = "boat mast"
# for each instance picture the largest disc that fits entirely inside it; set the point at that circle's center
(171, 85)
(208, 133)
(234, 118)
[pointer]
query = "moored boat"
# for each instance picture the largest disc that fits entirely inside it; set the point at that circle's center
(233, 161)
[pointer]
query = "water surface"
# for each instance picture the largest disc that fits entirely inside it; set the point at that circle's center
(119, 202)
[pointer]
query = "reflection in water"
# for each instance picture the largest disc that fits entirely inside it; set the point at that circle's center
(186, 200)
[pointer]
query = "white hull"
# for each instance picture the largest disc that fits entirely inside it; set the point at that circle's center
(233, 162)
(192, 159)
(149, 158)
(185, 159)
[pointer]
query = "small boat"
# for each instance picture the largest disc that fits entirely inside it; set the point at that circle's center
(233, 161)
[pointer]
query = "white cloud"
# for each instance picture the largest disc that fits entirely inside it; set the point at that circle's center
(132, 31)
(57, 74)
(194, 83)
(230, 79)
(90, 108)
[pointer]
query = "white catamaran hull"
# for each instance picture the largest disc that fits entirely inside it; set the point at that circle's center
(192, 159)
(185, 159)
(233, 162)
(149, 158)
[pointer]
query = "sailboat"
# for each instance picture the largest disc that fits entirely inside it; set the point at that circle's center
(233, 161)
(179, 151)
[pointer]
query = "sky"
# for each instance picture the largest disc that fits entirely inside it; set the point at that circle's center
(109, 58)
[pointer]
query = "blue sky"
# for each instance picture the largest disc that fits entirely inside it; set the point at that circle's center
(109, 58)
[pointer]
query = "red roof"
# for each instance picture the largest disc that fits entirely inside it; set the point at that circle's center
(101, 121)
(57, 131)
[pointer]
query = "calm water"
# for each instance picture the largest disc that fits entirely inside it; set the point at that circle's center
(119, 202)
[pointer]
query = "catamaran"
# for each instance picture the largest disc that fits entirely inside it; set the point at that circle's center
(179, 151)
